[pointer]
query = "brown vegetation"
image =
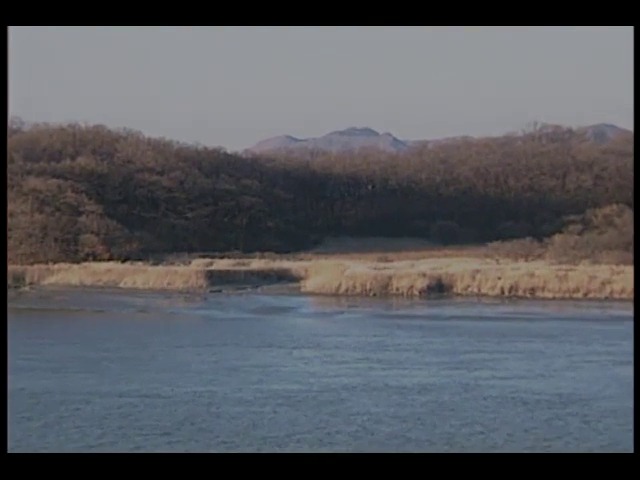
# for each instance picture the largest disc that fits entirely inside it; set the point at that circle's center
(85, 193)
(412, 278)
(600, 236)
(471, 277)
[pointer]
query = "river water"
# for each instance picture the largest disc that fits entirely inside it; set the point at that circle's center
(115, 371)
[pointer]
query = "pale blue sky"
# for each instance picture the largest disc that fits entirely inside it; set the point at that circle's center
(234, 86)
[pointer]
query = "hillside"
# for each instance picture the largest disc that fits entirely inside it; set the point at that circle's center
(78, 192)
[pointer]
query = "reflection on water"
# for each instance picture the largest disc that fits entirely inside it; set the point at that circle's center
(480, 307)
(100, 370)
(97, 300)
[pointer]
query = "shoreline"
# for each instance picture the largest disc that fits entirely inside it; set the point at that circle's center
(293, 289)
(328, 275)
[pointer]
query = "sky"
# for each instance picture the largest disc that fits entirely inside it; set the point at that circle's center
(235, 86)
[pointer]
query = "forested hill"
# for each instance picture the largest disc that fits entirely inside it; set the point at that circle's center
(88, 192)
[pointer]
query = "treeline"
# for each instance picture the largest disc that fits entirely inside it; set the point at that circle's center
(78, 192)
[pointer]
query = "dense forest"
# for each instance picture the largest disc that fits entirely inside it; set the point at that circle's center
(87, 192)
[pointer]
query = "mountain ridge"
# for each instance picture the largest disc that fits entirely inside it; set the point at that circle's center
(357, 138)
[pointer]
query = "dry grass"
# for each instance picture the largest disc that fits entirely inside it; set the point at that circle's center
(469, 276)
(352, 275)
(201, 274)
(109, 274)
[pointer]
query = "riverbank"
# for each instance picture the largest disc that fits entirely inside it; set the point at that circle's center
(349, 275)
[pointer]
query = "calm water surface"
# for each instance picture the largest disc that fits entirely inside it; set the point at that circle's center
(120, 371)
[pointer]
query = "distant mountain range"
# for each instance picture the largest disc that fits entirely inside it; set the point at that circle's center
(356, 138)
